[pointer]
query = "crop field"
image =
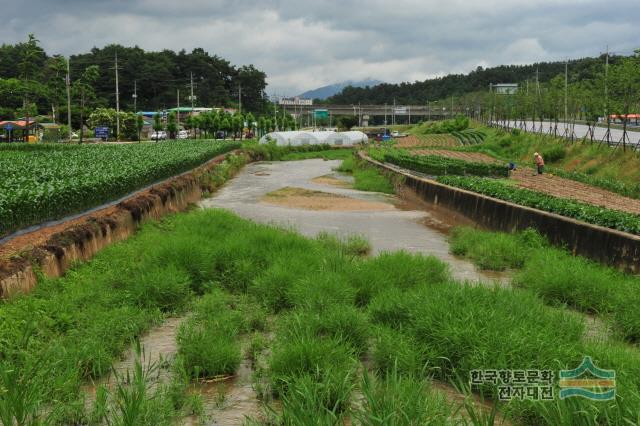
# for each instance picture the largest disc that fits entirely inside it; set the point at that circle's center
(609, 194)
(438, 165)
(614, 219)
(411, 141)
(40, 183)
(331, 337)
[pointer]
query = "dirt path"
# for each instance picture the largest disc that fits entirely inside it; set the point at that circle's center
(550, 184)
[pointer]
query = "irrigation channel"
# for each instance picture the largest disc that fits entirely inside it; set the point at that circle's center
(309, 197)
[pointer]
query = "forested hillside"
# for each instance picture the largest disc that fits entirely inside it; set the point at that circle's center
(31, 78)
(458, 84)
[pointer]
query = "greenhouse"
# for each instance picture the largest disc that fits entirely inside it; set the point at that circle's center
(346, 138)
(300, 138)
(280, 138)
(311, 138)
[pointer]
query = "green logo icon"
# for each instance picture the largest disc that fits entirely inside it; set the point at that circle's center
(588, 381)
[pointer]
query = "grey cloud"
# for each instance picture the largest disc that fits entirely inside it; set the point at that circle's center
(304, 44)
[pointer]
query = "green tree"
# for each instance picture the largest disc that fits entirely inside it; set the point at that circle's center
(172, 125)
(139, 125)
(83, 88)
(157, 123)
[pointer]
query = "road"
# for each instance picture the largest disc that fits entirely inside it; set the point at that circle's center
(581, 131)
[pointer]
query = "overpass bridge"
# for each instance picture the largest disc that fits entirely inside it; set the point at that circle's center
(365, 112)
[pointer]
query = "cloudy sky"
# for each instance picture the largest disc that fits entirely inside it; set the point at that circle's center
(305, 44)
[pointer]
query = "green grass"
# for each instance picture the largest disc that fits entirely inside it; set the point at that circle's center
(366, 177)
(213, 320)
(332, 311)
(557, 276)
(495, 251)
(395, 399)
(330, 154)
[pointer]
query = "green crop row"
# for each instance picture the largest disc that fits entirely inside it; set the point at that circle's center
(41, 183)
(608, 218)
(469, 136)
(436, 165)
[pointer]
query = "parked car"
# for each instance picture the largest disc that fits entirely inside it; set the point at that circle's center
(159, 136)
(183, 134)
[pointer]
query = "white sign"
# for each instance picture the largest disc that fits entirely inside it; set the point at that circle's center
(295, 101)
(400, 110)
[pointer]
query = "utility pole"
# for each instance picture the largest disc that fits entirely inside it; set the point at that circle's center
(385, 114)
(68, 84)
(428, 111)
(393, 113)
(117, 101)
(192, 98)
(81, 113)
(178, 111)
(606, 95)
(135, 96)
(566, 91)
(239, 98)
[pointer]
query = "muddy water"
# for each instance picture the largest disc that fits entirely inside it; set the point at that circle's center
(409, 225)
(229, 402)
(158, 347)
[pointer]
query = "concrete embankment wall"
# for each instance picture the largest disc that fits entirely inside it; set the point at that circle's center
(83, 239)
(616, 248)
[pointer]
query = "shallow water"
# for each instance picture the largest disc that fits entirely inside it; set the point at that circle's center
(410, 225)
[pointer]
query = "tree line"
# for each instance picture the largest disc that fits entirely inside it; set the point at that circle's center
(33, 82)
(610, 93)
(419, 92)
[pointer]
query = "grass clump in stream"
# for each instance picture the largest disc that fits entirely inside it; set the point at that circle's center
(207, 341)
(495, 251)
(330, 307)
(396, 399)
(555, 275)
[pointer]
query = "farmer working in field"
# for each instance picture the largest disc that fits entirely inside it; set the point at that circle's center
(539, 162)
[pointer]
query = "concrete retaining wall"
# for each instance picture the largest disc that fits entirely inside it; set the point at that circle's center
(81, 241)
(616, 248)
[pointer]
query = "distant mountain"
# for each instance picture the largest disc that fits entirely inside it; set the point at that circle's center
(327, 91)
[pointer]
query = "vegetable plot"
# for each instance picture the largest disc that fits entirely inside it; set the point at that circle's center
(41, 183)
(608, 218)
(436, 165)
